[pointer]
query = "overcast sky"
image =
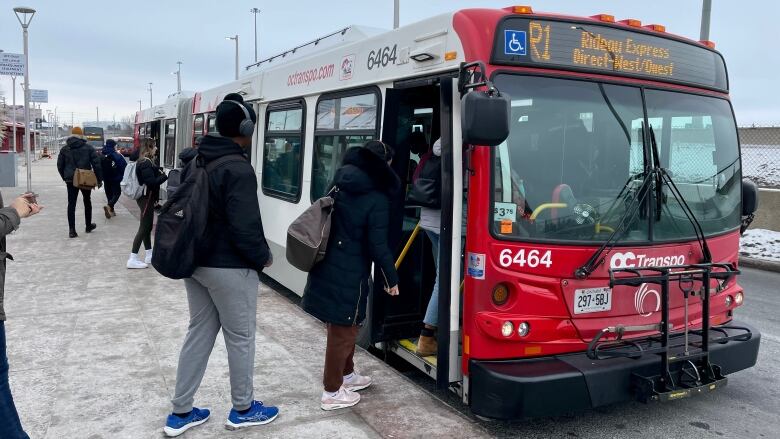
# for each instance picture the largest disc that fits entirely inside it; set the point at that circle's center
(91, 53)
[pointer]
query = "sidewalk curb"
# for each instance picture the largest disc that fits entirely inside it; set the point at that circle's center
(745, 261)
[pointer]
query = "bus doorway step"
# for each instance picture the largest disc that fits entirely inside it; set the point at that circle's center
(407, 350)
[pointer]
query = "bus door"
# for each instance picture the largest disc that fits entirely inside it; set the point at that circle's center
(416, 114)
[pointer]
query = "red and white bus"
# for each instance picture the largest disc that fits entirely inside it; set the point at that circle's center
(592, 198)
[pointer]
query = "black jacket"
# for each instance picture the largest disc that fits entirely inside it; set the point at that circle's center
(235, 236)
(78, 154)
(151, 176)
(338, 286)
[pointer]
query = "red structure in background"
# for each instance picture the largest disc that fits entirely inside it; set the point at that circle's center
(9, 137)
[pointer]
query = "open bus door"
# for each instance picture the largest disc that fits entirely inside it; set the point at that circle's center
(397, 321)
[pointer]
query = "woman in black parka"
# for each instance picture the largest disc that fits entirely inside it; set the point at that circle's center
(338, 286)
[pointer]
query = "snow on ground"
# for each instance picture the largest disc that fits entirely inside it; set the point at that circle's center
(760, 244)
(761, 163)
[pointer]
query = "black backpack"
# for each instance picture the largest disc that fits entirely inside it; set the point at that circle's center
(173, 182)
(181, 226)
(426, 189)
(108, 165)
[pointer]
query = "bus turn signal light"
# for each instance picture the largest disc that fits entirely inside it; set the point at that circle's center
(522, 10)
(449, 56)
(500, 294)
(604, 17)
(631, 22)
(708, 43)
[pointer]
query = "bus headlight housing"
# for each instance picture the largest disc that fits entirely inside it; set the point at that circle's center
(507, 329)
(523, 329)
(738, 298)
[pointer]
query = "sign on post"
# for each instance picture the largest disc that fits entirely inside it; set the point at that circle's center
(39, 95)
(11, 64)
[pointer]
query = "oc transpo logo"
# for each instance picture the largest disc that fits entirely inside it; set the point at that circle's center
(640, 298)
(632, 260)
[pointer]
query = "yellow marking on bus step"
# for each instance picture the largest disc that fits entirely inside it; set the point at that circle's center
(412, 347)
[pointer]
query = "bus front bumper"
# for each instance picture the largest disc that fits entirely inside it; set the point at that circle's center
(547, 386)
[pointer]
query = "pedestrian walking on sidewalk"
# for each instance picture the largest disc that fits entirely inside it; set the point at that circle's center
(151, 176)
(113, 166)
(222, 292)
(78, 154)
(10, 217)
(337, 288)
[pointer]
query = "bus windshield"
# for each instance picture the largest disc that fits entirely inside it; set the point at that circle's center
(573, 165)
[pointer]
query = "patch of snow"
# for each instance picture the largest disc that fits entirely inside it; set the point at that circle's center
(760, 244)
(761, 163)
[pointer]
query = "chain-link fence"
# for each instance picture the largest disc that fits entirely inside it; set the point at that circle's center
(761, 155)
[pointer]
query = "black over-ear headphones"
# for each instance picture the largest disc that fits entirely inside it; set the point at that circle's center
(246, 128)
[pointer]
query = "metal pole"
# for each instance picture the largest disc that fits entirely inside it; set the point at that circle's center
(151, 102)
(178, 77)
(396, 13)
(255, 11)
(27, 110)
(97, 114)
(13, 93)
(236, 56)
(706, 9)
(139, 105)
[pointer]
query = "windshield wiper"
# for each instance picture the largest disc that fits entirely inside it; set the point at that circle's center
(658, 176)
(632, 210)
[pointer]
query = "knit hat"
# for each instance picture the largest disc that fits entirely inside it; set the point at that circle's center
(111, 143)
(229, 116)
(381, 149)
(77, 131)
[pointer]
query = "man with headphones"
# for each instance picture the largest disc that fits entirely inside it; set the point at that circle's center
(222, 292)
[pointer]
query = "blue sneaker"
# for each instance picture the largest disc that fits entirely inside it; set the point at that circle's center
(176, 425)
(258, 414)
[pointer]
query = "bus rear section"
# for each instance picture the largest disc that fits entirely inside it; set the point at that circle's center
(603, 232)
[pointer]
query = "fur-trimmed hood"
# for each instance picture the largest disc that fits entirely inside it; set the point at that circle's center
(363, 171)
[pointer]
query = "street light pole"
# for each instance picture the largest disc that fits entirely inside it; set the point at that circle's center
(151, 101)
(25, 16)
(178, 77)
(97, 113)
(396, 13)
(706, 9)
(255, 11)
(236, 39)
(139, 105)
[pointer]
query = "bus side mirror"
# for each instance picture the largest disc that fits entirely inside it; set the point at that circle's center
(485, 118)
(749, 197)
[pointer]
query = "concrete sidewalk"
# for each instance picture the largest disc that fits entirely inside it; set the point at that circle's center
(93, 347)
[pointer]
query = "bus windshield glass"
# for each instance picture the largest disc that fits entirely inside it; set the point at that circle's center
(573, 165)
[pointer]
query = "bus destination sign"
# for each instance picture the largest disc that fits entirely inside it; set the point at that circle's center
(605, 49)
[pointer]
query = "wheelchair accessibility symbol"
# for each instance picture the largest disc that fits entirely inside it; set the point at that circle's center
(514, 42)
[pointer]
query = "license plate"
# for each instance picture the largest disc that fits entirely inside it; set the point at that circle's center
(592, 300)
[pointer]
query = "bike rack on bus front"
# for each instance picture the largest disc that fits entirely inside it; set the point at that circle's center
(695, 374)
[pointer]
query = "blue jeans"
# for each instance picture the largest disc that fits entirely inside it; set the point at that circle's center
(10, 427)
(432, 313)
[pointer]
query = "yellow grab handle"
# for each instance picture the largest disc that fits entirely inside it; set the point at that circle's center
(600, 227)
(546, 206)
(407, 246)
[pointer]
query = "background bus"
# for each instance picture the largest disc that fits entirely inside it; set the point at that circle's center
(94, 136)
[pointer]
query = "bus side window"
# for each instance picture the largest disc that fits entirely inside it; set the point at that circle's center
(283, 151)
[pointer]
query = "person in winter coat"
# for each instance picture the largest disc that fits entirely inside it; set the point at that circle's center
(77, 154)
(113, 166)
(430, 221)
(222, 292)
(10, 217)
(337, 287)
(151, 176)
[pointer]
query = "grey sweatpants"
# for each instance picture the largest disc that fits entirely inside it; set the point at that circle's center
(219, 298)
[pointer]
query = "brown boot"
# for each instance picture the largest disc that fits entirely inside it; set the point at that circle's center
(426, 346)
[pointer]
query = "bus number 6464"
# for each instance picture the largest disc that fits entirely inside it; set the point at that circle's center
(532, 258)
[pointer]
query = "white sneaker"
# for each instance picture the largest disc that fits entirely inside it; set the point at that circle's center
(356, 382)
(342, 399)
(148, 256)
(134, 262)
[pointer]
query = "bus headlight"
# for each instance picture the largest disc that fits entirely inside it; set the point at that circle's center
(738, 298)
(507, 329)
(729, 301)
(523, 329)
